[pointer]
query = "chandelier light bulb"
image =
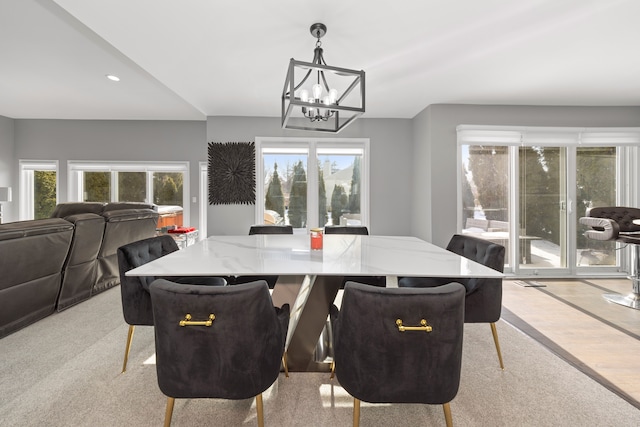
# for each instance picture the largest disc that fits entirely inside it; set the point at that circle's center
(333, 96)
(316, 90)
(304, 95)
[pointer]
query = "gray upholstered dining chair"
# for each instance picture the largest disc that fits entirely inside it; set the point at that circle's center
(270, 229)
(348, 229)
(359, 230)
(221, 342)
(263, 229)
(136, 300)
(483, 302)
(400, 345)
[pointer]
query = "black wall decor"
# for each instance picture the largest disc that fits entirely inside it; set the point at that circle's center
(232, 173)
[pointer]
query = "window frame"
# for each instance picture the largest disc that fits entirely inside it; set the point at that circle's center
(27, 184)
(75, 171)
(313, 146)
(626, 140)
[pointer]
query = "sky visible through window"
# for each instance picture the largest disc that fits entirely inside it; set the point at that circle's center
(341, 161)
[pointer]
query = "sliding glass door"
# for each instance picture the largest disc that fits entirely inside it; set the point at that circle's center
(542, 200)
(528, 190)
(596, 185)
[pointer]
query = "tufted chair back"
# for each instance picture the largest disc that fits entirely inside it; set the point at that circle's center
(483, 301)
(270, 229)
(380, 281)
(136, 301)
(481, 251)
(484, 295)
(262, 229)
(623, 216)
(348, 229)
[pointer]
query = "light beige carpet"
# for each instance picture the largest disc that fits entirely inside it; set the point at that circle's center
(65, 371)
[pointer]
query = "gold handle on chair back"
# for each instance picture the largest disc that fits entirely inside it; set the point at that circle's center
(187, 321)
(423, 326)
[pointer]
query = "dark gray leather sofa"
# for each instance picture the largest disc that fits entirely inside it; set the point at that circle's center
(55, 263)
(32, 255)
(101, 228)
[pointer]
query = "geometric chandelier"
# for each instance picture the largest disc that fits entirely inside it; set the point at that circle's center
(318, 97)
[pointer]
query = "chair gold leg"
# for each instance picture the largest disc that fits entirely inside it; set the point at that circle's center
(333, 370)
(127, 347)
(169, 411)
(260, 409)
(447, 414)
(284, 364)
(494, 331)
(356, 412)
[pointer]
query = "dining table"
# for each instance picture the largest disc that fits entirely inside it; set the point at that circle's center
(310, 279)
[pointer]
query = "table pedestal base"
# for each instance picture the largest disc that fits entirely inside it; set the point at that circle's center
(308, 318)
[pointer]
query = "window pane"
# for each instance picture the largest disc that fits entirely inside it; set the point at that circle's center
(543, 206)
(485, 193)
(168, 188)
(285, 189)
(595, 186)
(97, 186)
(44, 194)
(132, 186)
(339, 189)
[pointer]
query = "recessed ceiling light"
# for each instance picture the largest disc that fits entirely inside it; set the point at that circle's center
(113, 78)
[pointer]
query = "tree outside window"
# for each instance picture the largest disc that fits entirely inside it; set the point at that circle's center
(274, 199)
(97, 187)
(44, 194)
(168, 188)
(298, 197)
(285, 177)
(132, 186)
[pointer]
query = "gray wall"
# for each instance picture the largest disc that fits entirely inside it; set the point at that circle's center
(413, 162)
(422, 180)
(7, 165)
(115, 140)
(391, 151)
(391, 143)
(440, 122)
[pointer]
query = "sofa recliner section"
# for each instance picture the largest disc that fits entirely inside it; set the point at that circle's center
(32, 256)
(80, 269)
(56, 263)
(97, 270)
(121, 227)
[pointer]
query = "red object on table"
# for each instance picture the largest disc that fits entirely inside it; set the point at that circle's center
(181, 230)
(316, 238)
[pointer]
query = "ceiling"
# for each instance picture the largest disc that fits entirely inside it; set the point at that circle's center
(189, 59)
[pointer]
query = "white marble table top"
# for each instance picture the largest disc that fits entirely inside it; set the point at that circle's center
(291, 255)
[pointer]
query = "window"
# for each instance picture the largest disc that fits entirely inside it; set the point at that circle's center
(526, 188)
(38, 188)
(162, 183)
(312, 182)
